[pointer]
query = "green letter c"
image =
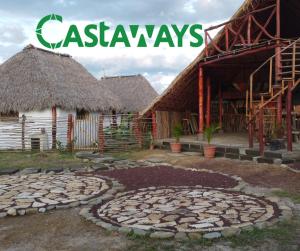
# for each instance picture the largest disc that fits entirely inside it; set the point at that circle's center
(39, 27)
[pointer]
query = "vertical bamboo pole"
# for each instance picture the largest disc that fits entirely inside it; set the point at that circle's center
(208, 101)
(289, 117)
(101, 139)
(261, 132)
(220, 105)
(54, 126)
(201, 100)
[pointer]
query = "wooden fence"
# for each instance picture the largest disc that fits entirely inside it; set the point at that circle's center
(120, 132)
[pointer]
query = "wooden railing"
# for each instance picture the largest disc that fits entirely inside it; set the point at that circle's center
(281, 80)
(234, 34)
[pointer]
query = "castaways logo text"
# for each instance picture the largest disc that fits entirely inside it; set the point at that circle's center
(143, 36)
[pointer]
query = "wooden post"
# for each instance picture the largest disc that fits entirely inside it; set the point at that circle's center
(23, 132)
(220, 105)
(137, 130)
(154, 125)
(54, 126)
(261, 132)
(201, 101)
(279, 110)
(101, 138)
(250, 134)
(70, 133)
(208, 101)
(278, 63)
(289, 117)
(249, 30)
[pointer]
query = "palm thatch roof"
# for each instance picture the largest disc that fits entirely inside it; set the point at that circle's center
(37, 79)
(184, 78)
(134, 92)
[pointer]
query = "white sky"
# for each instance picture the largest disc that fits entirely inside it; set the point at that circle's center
(159, 65)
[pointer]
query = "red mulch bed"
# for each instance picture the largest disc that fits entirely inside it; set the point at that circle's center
(136, 178)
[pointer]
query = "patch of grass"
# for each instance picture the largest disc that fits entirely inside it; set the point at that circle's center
(23, 160)
(295, 197)
(283, 233)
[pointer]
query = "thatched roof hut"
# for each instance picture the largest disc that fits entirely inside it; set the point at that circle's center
(36, 79)
(134, 92)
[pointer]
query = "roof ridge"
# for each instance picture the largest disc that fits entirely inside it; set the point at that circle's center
(121, 76)
(30, 47)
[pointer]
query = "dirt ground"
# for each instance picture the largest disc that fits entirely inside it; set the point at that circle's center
(64, 230)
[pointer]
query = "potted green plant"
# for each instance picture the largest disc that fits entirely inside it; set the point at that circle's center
(177, 133)
(210, 150)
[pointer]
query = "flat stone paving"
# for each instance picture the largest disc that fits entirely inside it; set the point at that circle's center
(185, 209)
(21, 194)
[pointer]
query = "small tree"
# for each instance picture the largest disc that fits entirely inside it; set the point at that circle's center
(209, 131)
(177, 132)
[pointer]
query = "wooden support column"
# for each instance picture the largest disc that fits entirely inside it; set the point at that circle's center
(220, 105)
(208, 101)
(289, 117)
(250, 134)
(54, 126)
(154, 125)
(261, 132)
(70, 133)
(201, 101)
(101, 139)
(278, 63)
(279, 111)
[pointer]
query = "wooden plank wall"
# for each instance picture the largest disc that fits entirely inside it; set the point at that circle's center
(166, 121)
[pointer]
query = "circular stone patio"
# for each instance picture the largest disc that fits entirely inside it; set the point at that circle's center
(184, 209)
(20, 195)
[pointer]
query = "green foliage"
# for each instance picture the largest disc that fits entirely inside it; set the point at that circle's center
(295, 197)
(209, 131)
(60, 146)
(177, 132)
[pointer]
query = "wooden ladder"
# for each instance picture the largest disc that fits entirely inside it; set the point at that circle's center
(259, 107)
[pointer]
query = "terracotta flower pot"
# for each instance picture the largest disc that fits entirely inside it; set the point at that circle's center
(175, 147)
(209, 151)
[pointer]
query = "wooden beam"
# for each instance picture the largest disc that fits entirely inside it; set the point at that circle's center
(201, 100)
(243, 53)
(289, 117)
(208, 101)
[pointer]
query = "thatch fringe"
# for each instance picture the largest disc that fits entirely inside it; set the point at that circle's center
(35, 79)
